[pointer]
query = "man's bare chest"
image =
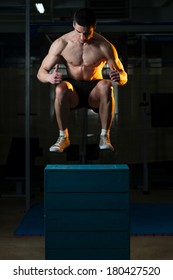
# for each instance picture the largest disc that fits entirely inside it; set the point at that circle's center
(83, 55)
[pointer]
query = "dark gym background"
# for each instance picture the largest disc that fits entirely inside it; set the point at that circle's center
(142, 32)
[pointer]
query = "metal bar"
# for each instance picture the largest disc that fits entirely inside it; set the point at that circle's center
(27, 104)
(83, 159)
(48, 26)
(112, 27)
(144, 106)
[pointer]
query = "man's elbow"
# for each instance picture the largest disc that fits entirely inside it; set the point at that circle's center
(38, 75)
(123, 79)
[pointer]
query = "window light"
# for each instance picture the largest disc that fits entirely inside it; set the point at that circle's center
(40, 8)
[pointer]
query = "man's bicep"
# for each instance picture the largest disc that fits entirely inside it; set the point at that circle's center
(111, 57)
(50, 61)
(56, 49)
(115, 61)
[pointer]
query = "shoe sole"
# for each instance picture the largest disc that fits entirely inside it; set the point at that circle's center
(54, 150)
(106, 148)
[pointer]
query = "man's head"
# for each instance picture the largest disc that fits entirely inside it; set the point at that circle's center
(84, 24)
(85, 17)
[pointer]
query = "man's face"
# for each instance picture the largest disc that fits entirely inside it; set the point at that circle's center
(83, 33)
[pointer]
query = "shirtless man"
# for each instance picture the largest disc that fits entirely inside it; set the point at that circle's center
(84, 53)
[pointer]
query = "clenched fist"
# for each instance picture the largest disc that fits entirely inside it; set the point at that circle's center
(114, 75)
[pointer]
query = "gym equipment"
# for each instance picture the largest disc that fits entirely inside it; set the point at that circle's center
(87, 212)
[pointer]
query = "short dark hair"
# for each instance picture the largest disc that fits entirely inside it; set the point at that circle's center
(85, 17)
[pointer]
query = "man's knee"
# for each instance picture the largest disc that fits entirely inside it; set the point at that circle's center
(105, 88)
(62, 88)
(105, 85)
(61, 92)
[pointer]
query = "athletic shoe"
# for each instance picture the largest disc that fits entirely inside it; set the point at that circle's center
(61, 144)
(105, 143)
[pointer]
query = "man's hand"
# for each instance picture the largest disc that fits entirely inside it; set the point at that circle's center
(114, 75)
(55, 77)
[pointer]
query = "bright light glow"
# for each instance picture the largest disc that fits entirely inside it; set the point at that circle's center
(40, 8)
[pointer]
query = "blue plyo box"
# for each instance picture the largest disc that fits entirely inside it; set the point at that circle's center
(87, 212)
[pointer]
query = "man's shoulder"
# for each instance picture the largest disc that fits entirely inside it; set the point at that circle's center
(100, 37)
(101, 40)
(64, 39)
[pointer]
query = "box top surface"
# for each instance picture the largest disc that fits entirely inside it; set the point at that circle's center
(92, 167)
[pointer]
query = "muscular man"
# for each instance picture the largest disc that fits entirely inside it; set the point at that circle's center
(84, 54)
